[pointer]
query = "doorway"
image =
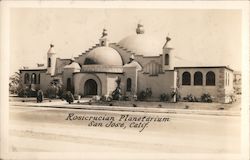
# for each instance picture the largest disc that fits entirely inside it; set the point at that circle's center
(90, 87)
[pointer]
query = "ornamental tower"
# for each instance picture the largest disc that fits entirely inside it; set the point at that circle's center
(51, 60)
(167, 56)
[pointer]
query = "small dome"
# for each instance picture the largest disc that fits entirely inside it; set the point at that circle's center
(73, 65)
(142, 44)
(103, 56)
(133, 64)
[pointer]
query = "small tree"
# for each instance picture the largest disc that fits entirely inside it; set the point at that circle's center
(54, 89)
(117, 93)
(164, 97)
(15, 83)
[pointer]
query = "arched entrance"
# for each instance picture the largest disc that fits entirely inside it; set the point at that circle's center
(90, 87)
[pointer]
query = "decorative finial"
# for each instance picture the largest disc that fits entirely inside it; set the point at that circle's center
(131, 58)
(168, 39)
(139, 29)
(104, 32)
(51, 45)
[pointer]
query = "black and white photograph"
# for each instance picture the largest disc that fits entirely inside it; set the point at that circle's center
(125, 80)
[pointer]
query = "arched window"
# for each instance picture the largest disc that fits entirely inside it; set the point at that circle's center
(198, 78)
(49, 62)
(33, 78)
(26, 78)
(68, 84)
(210, 78)
(129, 84)
(38, 79)
(167, 59)
(186, 78)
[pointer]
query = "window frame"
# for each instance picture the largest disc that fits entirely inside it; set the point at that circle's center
(26, 78)
(33, 79)
(49, 62)
(129, 85)
(198, 80)
(183, 80)
(210, 81)
(166, 59)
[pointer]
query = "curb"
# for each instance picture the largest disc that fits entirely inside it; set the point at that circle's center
(138, 109)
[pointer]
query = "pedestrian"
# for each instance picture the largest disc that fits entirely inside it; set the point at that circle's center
(40, 96)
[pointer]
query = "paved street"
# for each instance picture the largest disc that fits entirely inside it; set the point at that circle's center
(46, 129)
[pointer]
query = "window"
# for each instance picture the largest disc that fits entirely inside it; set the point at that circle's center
(38, 79)
(198, 78)
(26, 78)
(226, 79)
(68, 84)
(167, 59)
(49, 62)
(186, 78)
(210, 78)
(129, 84)
(33, 78)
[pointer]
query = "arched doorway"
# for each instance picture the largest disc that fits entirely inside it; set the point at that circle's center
(90, 87)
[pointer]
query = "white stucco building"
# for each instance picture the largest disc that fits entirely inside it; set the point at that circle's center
(140, 62)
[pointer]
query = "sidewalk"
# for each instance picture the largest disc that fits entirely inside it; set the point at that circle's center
(64, 104)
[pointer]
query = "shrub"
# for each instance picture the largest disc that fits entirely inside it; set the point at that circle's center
(69, 97)
(148, 92)
(106, 98)
(232, 98)
(116, 94)
(178, 96)
(142, 95)
(135, 97)
(190, 98)
(27, 92)
(206, 97)
(21, 93)
(54, 89)
(96, 98)
(126, 98)
(164, 97)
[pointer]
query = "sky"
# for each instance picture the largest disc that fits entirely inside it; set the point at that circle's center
(199, 37)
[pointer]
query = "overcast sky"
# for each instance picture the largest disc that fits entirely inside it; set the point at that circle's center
(199, 37)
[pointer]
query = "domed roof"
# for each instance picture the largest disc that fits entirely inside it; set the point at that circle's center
(142, 44)
(73, 65)
(103, 56)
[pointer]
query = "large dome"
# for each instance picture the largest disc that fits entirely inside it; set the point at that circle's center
(103, 56)
(142, 44)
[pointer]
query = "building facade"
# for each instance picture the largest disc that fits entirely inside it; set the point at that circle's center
(139, 62)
